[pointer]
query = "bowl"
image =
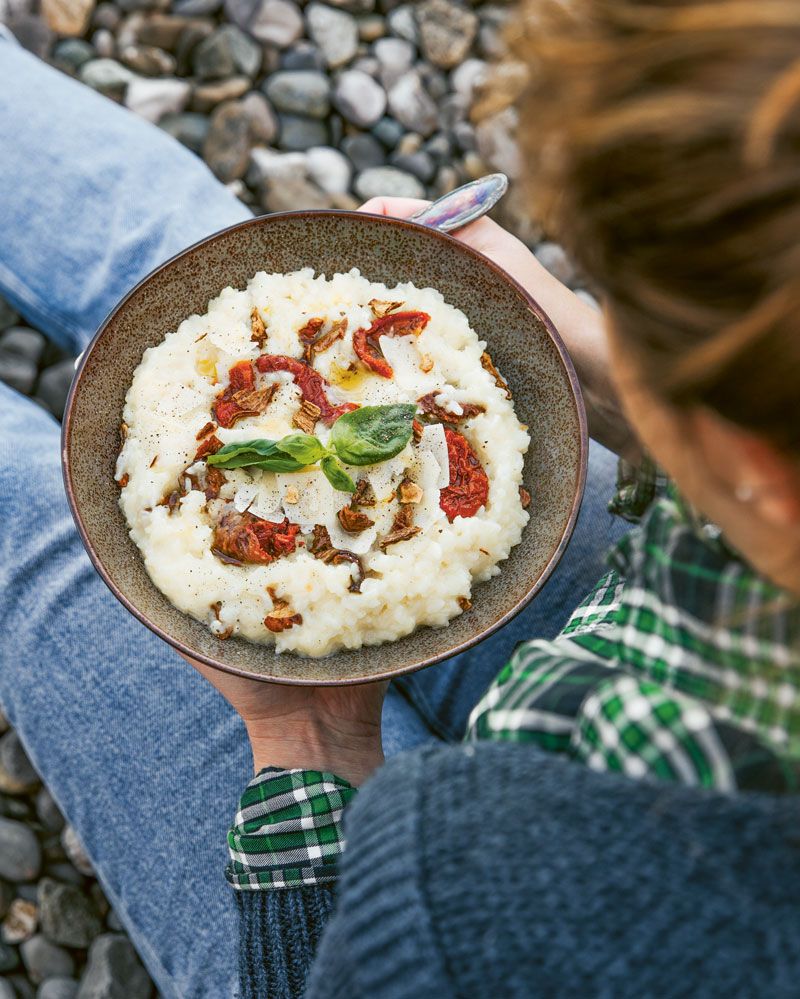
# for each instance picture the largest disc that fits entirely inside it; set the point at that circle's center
(520, 338)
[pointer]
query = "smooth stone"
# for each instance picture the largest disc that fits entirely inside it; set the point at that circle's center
(24, 989)
(114, 922)
(466, 77)
(75, 852)
(274, 22)
(57, 987)
(329, 169)
(207, 96)
(9, 958)
(354, 6)
(106, 15)
(8, 317)
(226, 52)
(297, 133)
(304, 55)
(15, 808)
(71, 53)
(148, 60)
(402, 23)
(152, 99)
(388, 131)
(371, 27)
(113, 971)
(227, 146)
(20, 853)
(15, 767)
(387, 181)
(44, 959)
(162, 30)
(190, 128)
(464, 135)
(409, 143)
(32, 33)
(412, 105)
(6, 897)
(440, 148)
(491, 34)
(446, 31)
(67, 916)
(196, 8)
(366, 64)
(270, 166)
(262, 118)
(334, 31)
(98, 897)
(133, 5)
(104, 43)
(304, 92)
(359, 98)
(62, 870)
(496, 143)
(67, 17)
(188, 40)
(20, 374)
(20, 922)
(294, 193)
(553, 258)
(7, 990)
(28, 892)
(107, 76)
(420, 164)
(363, 151)
(395, 57)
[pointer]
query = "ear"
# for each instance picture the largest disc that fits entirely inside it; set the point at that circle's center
(751, 467)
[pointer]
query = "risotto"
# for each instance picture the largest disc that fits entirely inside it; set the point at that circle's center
(321, 463)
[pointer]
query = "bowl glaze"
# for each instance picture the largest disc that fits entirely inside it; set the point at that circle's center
(520, 337)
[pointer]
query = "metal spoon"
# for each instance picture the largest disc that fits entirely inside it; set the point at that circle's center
(464, 205)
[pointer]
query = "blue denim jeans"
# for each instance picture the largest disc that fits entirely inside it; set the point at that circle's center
(144, 757)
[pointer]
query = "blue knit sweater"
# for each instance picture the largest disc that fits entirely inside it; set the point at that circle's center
(497, 871)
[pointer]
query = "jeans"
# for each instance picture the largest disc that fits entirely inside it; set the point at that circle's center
(144, 757)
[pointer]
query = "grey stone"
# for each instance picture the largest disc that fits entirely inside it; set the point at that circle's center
(152, 99)
(395, 57)
(359, 98)
(20, 374)
(496, 143)
(366, 64)
(402, 23)
(113, 971)
(189, 127)
(420, 164)
(7, 318)
(304, 92)
(6, 897)
(329, 169)
(269, 166)
(14, 761)
(299, 133)
(57, 987)
(148, 60)
(71, 53)
(335, 32)
(106, 15)
(491, 34)
(20, 853)
(388, 131)
(107, 76)
(440, 148)
(43, 959)
(371, 27)
(274, 22)
(75, 852)
(263, 122)
(226, 52)
(54, 383)
(363, 151)
(23, 988)
(207, 96)
(446, 31)
(354, 6)
(304, 55)
(467, 76)
(114, 922)
(104, 43)
(388, 181)
(196, 8)
(28, 892)
(9, 958)
(20, 921)
(412, 105)
(227, 146)
(32, 33)
(196, 32)
(293, 193)
(62, 870)
(554, 259)
(464, 135)
(67, 916)
(7, 990)
(48, 811)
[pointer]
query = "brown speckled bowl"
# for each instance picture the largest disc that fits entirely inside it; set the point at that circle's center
(521, 339)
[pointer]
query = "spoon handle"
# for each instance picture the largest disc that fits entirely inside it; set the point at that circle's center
(464, 205)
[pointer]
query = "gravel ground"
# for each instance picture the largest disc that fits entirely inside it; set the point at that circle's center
(293, 105)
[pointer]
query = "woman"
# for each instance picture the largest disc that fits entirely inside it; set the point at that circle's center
(667, 151)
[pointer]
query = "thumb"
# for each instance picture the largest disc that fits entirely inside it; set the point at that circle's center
(398, 208)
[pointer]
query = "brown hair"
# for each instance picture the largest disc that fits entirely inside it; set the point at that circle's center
(664, 138)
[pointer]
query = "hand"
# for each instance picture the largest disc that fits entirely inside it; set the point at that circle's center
(312, 728)
(581, 327)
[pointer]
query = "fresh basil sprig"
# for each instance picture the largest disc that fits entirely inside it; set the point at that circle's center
(364, 436)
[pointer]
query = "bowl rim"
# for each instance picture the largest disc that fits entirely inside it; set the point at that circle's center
(446, 239)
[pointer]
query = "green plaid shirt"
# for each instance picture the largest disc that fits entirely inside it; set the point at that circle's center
(681, 665)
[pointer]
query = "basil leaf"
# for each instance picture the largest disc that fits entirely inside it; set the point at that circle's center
(302, 447)
(243, 453)
(371, 434)
(278, 463)
(336, 475)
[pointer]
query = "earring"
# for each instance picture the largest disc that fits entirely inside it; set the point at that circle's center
(744, 493)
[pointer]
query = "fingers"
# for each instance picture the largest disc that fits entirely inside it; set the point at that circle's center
(398, 208)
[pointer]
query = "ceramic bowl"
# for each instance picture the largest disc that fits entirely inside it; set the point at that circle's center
(520, 337)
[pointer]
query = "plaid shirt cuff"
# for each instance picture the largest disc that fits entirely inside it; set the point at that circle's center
(287, 830)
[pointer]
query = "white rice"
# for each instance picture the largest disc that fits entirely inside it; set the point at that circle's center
(419, 581)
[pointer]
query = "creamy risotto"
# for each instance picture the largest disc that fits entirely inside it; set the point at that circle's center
(322, 463)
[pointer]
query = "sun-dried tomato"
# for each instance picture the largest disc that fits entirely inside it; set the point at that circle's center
(365, 341)
(240, 398)
(313, 387)
(209, 446)
(247, 538)
(215, 480)
(430, 407)
(469, 484)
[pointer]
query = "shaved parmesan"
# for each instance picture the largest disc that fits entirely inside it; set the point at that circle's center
(425, 472)
(434, 441)
(401, 352)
